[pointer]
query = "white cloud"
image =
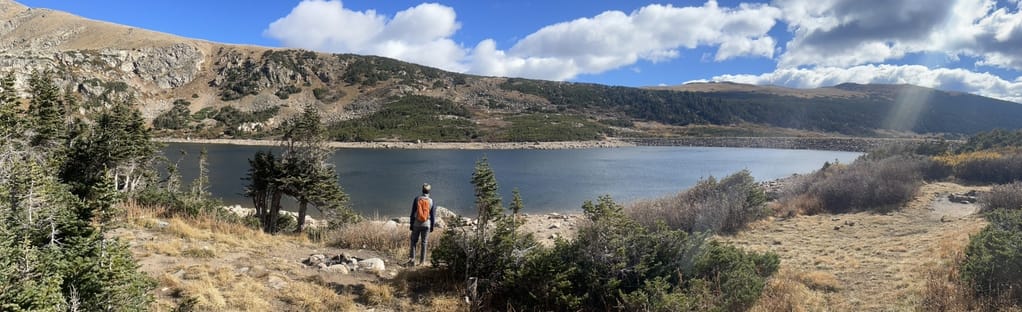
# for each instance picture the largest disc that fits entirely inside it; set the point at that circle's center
(614, 39)
(561, 51)
(853, 32)
(957, 79)
(420, 34)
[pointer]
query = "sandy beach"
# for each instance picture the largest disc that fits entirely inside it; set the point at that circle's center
(425, 145)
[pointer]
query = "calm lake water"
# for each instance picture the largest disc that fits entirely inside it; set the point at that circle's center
(384, 182)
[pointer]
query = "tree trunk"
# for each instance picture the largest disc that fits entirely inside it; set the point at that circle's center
(271, 224)
(303, 203)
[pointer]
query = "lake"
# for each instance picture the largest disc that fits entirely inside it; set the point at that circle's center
(383, 182)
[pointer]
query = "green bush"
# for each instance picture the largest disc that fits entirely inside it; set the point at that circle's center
(176, 118)
(617, 264)
(724, 206)
(993, 259)
(1007, 196)
(410, 118)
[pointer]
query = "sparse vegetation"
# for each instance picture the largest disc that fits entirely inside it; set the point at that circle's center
(613, 264)
(719, 207)
(867, 184)
(551, 127)
(410, 118)
(177, 118)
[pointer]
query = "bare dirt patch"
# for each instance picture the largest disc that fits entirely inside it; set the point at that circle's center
(864, 261)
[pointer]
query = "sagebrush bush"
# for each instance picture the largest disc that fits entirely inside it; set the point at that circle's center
(711, 205)
(1004, 169)
(1007, 196)
(866, 184)
(993, 259)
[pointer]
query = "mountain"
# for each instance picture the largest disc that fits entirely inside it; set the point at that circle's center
(197, 88)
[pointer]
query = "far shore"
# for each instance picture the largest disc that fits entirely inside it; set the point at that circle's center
(848, 144)
(423, 145)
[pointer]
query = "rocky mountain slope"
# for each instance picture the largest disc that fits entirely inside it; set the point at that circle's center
(197, 88)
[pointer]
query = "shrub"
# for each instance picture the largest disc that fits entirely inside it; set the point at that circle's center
(1005, 169)
(993, 259)
(1007, 196)
(880, 185)
(617, 264)
(724, 206)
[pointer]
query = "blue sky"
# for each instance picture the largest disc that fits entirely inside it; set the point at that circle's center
(963, 45)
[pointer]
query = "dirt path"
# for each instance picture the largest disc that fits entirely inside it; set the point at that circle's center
(867, 261)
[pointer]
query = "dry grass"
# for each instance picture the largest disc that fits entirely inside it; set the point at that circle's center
(165, 247)
(786, 292)
(819, 280)
(304, 296)
(378, 295)
(859, 261)
(376, 235)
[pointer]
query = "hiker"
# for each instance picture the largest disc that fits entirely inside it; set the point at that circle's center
(422, 222)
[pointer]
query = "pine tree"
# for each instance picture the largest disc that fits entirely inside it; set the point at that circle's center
(9, 123)
(45, 109)
(487, 197)
(200, 187)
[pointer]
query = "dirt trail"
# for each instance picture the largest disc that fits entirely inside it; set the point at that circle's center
(879, 260)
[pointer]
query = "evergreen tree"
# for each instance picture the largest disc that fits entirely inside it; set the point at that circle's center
(200, 187)
(487, 197)
(52, 259)
(308, 176)
(45, 109)
(8, 107)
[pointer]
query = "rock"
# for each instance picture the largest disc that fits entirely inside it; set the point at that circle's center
(972, 193)
(837, 227)
(402, 220)
(162, 224)
(390, 225)
(850, 223)
(554, 216)
(322, 266)
(315, 259)
(372, 265)
(945, 219)
(554, 236)
(338, 268)
(276, 282)
(555, 226)
(835, 219)
(776, 242)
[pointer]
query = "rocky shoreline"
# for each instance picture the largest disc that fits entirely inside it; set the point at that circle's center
(422, 145)
(847, 144)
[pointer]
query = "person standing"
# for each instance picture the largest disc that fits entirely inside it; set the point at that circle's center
(423, 220)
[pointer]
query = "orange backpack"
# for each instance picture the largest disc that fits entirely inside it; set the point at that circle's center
(422, 209)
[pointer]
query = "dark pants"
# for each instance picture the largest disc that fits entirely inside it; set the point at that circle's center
(419, 232)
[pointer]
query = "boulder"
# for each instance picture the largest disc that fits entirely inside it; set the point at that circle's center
(555, 226)
(315, 259)
(372, 265)
(337, 268)
(390, 224)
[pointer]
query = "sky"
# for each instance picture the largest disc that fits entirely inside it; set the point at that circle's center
(961, 45)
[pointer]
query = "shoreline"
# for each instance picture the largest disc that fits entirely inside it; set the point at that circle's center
(844, 144)
(614, 143)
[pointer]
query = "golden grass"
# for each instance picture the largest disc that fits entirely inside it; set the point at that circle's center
(785, 291)
(375, 235)
(819, 280)
(310, 297)
(204, 252)
(378, 295)
(442, 303)
(165, 247)
(958, 159)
